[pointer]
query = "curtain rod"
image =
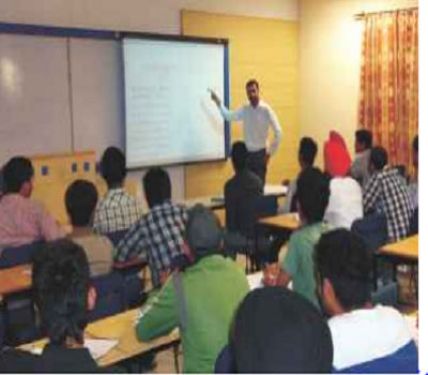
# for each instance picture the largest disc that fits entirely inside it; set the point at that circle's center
(361, 15)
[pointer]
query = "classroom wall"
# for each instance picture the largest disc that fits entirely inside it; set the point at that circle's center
(330, 48)
(160, 16)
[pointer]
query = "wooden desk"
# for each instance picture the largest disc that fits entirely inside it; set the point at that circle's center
(406, 250)
(15, 279)
(288, 222)
(119, 327)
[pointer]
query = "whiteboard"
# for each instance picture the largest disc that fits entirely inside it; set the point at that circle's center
(97, 89)
(34, 96)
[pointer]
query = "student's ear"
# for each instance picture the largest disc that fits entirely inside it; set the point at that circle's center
(329, 298)
(92, 298)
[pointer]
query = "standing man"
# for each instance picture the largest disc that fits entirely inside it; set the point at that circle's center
(256, 116)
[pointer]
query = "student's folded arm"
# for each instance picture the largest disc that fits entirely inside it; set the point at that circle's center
(159, 316)
(131, 245)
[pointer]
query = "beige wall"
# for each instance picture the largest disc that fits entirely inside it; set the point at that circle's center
(158, 16)
(330, 45)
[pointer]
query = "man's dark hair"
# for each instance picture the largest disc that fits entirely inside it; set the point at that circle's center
(378, 157)
(113, 167)
(415, 143)
(252, 82)
(16, 172)
(364, 137)
(239, 156)
(313, 193)
(60, 286)
(308, 150)
(80, 200)
(345, 259)
(157, 186)
(277, 330)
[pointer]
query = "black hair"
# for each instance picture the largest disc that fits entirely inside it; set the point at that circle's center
(239, 156)
(378, 157)
(16, 172)
(113, 167)
(276, 330)
(345, 259)
(308, 150)
(252, 82)
(80, 201)
(313, 193)
(364, 137)
(415, 143)
(60, 285)
(157, 186)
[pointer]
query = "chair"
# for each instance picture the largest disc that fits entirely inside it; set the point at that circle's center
(110, 296)
(14, 256)
(115, 237)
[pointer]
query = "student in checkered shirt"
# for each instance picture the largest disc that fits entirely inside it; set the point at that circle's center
(387, 193)
(117, 210)
(159, 235)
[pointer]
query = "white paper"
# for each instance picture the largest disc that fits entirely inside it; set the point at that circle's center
(99, 347)
(255, 280)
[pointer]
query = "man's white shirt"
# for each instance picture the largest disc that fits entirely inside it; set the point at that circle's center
(256, 122)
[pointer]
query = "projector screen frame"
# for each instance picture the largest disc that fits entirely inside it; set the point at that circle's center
(185, 39)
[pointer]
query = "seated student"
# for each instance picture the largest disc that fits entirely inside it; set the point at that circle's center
(63, 295)
(241, 193)
(346, 198)
(307, 152)
(23, 220)
(276, 330)
(159, 234)
(386, 193)
(80, 201)
(360, 167)
(201, 300)
(366, 338)
(117, 210)
(312, 199)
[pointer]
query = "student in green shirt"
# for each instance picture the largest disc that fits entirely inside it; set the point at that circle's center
(201, 300)
(313, 193)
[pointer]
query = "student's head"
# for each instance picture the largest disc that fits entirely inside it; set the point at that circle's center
(415, 151)
(80, 201)
(239, 156)
(113, 167)
(307, 152)
(252, 88)
(363, 140)
(62, 292)
(18, 175)
(343, 266)
(157, 186)
(203, 232)
(313, 193)
(278, 331)
(378, 159)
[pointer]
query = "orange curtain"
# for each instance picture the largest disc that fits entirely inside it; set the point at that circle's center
(389, 82)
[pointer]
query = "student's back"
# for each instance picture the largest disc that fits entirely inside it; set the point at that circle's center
(201, 300)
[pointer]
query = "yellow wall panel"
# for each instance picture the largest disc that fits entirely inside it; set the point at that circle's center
(261, 48)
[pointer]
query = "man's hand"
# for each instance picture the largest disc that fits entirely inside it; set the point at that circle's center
(215, 98)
